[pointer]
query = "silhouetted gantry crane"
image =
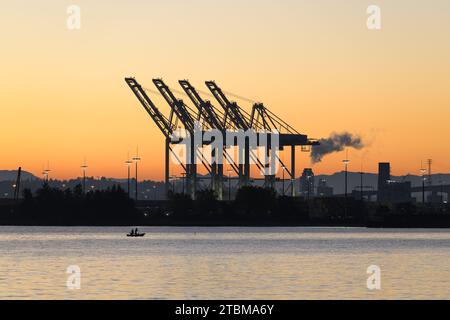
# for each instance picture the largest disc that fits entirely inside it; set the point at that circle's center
(229, 118)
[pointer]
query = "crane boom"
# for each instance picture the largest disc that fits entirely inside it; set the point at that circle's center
(209, 114)
(161, 121)
(178, 107)
(232, 111)
(262, 117)
(185, 114)
(206, 110)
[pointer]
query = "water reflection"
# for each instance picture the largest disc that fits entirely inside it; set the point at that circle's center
(223, 263)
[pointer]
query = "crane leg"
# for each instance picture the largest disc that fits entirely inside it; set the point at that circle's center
(166, 169)
(219, 179)
(193, 171)
(269, 178)
(247, 163)
(293, 170)
(213, 170)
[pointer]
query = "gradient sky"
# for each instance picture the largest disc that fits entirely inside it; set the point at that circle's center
(314, 63)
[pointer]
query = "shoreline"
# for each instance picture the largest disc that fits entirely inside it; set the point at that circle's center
(229, 225)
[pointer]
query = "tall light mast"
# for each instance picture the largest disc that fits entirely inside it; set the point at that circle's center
(128, 163)
(346, 161)
(423, 172)
(136, 159)
(84, 168)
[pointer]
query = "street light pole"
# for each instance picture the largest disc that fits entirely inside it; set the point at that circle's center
(423, 171)
(361, 187)
(128, 164)
(84, 167)
(136, 159)
(423, 190)
(346, 161)
(282, 185)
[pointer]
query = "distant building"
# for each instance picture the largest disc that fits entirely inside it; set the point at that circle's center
(399, 191)
(384, 176)
(307, 183)
(434, 197)
(324, 190)
(389, 190)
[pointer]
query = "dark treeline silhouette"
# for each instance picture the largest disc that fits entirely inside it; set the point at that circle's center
(53, 206)
(253, 206)
(148, 190)
(261, 206)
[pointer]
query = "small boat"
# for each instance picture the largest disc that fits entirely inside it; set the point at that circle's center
(135, 234)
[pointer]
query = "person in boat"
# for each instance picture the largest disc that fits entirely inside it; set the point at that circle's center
(136, 232)
(132, 232)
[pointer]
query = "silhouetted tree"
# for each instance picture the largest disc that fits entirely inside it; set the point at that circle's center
(180, 204)
(206, 202)
(78, 190)
(292, 208)
(27, 195)
(251, 200)
(56, 206)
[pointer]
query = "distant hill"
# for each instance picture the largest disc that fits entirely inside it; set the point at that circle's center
(11, 175)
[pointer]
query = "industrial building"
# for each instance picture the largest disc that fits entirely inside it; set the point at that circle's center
(307, 183)
(323, 189)
(389, 190)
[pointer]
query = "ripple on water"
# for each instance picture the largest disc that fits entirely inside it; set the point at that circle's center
(223, 263)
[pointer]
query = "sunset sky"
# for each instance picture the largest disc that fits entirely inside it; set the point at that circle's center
(314, 63)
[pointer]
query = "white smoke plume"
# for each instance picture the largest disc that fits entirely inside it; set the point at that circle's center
(335, 143)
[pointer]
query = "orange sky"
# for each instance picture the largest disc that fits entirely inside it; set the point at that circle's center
(314, 63)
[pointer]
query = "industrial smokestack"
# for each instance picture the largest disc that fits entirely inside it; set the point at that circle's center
(335, 143)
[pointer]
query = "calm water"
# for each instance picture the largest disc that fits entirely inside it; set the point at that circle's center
(224, 263)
